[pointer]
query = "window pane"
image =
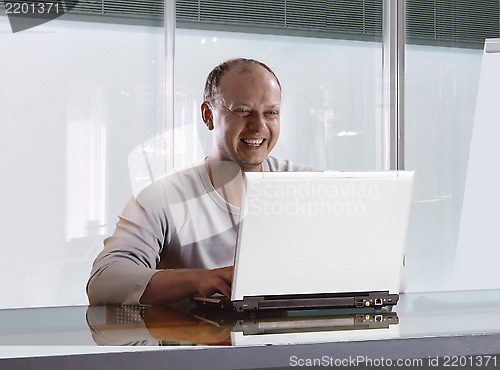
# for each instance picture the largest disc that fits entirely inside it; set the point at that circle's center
(76, 98)
(443, 63)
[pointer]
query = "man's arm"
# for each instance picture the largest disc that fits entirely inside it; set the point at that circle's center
(123, 269)
(127, 272)
(172, 285)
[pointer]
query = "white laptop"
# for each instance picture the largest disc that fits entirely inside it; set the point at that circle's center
(321, 239)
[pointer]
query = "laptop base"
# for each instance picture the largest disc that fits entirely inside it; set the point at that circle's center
(377, 300)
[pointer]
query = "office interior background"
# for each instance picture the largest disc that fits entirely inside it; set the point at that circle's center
(80, 94)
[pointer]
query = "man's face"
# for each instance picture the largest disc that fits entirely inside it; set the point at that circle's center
(245, 117)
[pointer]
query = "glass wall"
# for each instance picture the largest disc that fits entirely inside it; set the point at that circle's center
(441, 88)
(443, 61)
(75, 98)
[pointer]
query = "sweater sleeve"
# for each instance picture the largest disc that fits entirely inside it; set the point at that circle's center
(123, 269)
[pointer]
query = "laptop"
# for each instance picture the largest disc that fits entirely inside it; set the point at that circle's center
(319, 240)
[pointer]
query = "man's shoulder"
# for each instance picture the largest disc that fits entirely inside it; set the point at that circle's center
(189, 173)
(274, 164)
(177, 185)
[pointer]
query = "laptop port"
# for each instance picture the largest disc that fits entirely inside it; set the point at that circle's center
(378, 302)
(378, 318)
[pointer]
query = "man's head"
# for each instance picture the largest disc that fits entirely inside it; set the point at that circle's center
(242, 106)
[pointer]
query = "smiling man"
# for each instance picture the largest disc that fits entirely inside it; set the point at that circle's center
(178, 237)
(243, 111)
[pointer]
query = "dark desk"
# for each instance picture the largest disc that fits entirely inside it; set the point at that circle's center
(422, 326)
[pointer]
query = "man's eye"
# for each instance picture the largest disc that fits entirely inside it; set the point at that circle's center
(241, 111)
(273, 113)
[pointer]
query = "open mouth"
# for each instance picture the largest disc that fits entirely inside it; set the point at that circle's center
(253, 142)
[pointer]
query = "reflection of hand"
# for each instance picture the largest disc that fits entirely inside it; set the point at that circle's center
(209, 282)
(171, 325)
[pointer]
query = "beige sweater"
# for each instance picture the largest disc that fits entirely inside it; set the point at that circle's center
(180, 221)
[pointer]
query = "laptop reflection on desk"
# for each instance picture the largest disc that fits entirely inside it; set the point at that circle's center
(311, 326)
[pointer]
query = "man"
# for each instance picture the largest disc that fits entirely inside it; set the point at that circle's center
(178, 237)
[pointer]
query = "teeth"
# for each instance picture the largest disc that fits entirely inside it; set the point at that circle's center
(253, 142)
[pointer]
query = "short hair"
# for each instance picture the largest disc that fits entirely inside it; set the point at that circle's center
(213, 78)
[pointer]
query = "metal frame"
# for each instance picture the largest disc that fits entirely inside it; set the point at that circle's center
(169, 25)
(393, 61)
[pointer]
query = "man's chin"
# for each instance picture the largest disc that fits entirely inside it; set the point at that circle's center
(248, 164)
(248, 161)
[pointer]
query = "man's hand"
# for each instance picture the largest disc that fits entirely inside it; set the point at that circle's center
(209, 282)
(168, 286)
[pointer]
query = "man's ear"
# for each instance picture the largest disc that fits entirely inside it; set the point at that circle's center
(207, 116)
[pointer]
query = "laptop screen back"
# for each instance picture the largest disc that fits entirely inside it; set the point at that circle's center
(321, 232)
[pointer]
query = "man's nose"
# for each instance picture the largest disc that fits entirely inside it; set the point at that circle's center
(256, 122)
